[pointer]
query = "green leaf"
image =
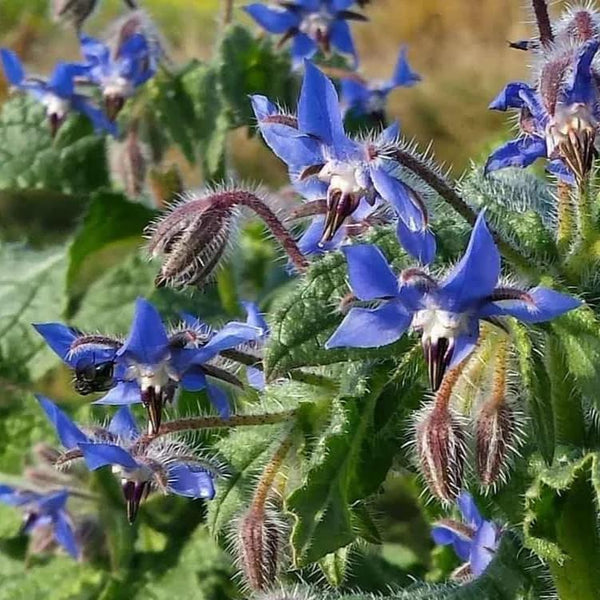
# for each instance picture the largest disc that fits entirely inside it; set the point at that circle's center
(307, 317)
(335, 565)
(560, 521)
(247, 65)
(344, 466)
(536, 386)
(111, 220)
(32, 290)
(74, 163)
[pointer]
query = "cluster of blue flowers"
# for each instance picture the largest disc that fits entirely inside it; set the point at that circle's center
(113, 71)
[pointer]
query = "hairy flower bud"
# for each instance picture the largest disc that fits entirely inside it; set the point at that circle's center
(441, 451)
(128, 162)
(73, 12)
(494, 434)
(259, 541)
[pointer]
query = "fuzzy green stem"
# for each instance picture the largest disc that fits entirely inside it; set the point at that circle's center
(584, 205)
(265, 483)
(566, 222)
(228, 12)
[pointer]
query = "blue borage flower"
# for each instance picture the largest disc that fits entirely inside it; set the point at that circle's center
(370, 97)
(58, 93)
(475, 540)
(445, 313)
(168, 466)
(324, 163)
(43, 511)
(118, 74)
(310, 24)
(558, 120)
(151, 363)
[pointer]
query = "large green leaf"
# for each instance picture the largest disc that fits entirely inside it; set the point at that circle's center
(111, 220)
(32, 289)
(73, 163)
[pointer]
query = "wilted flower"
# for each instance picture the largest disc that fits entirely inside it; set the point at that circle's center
(474, 540)
(57, 94)
(170, 467)
(42, 512)
(370, 97)
(324, 163)
(445, 313)
(311, 25)
(119, 71)
(558, 117)
(150, 364)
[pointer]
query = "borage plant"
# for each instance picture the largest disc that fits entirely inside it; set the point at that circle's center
(425, 344)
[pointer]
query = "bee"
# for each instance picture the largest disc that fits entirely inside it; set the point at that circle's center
(93, 377)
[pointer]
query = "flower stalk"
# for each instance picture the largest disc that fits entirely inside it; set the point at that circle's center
(540, 9)
(566, 222)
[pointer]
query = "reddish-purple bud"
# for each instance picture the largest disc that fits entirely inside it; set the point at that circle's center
(494, 436)
(441, 451)
(259, 542)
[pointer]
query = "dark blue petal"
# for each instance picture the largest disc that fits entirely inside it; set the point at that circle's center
(319, 111)
(559, 168)
(194, 379)
(303, 47)
(59, 337)
(420, 243)
(100, 455)
(354, 95)
(483, 547)
(370, 274)
(371, 328)
(469, 511)
(517, 153)
(61, 82)
(147, 342)
(124, 393)
(191, 482)
(390, 135)
(476, 274)
(53, 503)
(288, 143)
(13, 68)
(403, 75)
(338, 5)
(97, 117)
(255, 318)
(219, 400)
(63, 533)
(521, 95)
(123, 424)
(274, 20)
(341, 38)
(583, 87)
(93, 50)
(545, 305)
(445, 535)
(68, 433)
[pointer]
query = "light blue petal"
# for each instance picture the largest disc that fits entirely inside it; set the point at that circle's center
(419, 243)
(219, 400)
(371, 328)
(370, 274)
(469, 511)
(68, 433)
(147, 342)
(484, 545)
(583, 86)
(517, 153)
(100, 455)
(341, 38)
(476, 274)
(63, 533)
(303, 48)
(13, 68)
(124, 393)
(191, 482)
(59, 337)
(123, 424)
(403, 75)
(255, 318)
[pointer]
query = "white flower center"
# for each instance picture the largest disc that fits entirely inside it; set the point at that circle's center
(316, 24)
(575, 118)
(116, 86)
(156, 376)
(342, 176)
(435, 324)
(55, 105)
(143, 473)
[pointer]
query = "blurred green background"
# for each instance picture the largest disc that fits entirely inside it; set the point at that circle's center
(458, 46)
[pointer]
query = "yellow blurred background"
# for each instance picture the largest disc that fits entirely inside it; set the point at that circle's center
(458, 46)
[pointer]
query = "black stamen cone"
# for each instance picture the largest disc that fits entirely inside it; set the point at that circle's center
(153, 402)
(134, 493)
(113, 105)
(437, 355)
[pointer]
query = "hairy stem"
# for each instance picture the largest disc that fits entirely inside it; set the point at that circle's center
(584, 211)
(566, 222)
(444, 393)
(265, 483)
(228, 12)
(258, 206)
(498, 396)
(540, 9)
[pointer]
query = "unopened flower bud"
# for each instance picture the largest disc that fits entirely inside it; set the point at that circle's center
(74, 12)
(441, 451)
(259, 542)
(494, 435)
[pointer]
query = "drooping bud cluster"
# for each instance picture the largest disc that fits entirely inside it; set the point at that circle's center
(192, 238)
